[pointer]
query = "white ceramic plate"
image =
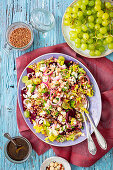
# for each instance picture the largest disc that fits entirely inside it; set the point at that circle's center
(57, 159)
(67, 29)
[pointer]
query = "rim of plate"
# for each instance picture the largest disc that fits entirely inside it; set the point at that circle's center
(69, 42)
(21, 109)
(65, 163)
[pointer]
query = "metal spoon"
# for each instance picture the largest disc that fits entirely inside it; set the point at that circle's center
(7, 135)
(100, 139)
(91, 145)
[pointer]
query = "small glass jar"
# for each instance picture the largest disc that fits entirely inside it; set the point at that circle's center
(42, 20)
(11, 28)
(27, 156)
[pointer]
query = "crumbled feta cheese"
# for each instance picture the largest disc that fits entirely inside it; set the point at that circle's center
(28, 93)
(60, 118)
(64, 127)
(24, 95)
(34, 123)
(29, 86)
(42, 113)
(34, 96)
(28, 105)
(55, 101)
(71, 97)
(74, 122)
(44, 78)
(47, 106)
(42, 85)
(57, 126)
(60, 81)
(74, 74)
(63, 66)
(38, 74)
(62, 85)
(50, 131)
(59, 89)
(63, 113)
(55, 132)
(53, 85)
(83, 134)
(64, 96)
(53, 126)
(60, 131)
(59, 109)
(40, 121)
(42, 67)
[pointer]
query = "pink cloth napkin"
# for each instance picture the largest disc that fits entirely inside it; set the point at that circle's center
(102, 69)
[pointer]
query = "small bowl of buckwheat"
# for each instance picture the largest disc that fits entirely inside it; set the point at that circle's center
(19, 35)
(55, 163)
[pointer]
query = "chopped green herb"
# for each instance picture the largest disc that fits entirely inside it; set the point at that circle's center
(72, 103)
(44, 91)
(56, 114)
(48, 111)
(33, 88)
(63, 89)
(44, 103)
(57, 99)
(50, 107)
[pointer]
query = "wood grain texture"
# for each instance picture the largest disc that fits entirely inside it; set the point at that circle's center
(19, 10)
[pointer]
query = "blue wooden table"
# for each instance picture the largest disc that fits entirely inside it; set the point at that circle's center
(19, 10)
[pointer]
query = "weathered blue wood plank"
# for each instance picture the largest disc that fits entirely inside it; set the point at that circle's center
(19, 10)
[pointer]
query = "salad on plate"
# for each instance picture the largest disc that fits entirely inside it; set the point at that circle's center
(54, 97)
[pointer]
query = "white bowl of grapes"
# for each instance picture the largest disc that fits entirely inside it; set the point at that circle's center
(87, 27)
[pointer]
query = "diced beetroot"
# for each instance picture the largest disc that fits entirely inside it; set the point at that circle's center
(33, 117)
(53, 63)
(46, 94)
(23, 91)
(67, 63)
(71, 113)
(30, 70)
(63, 133)
(71, 130)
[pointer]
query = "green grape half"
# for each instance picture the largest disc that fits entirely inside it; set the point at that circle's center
(83, 46)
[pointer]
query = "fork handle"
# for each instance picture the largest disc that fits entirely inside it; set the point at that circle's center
(91, 145)
(100, 139)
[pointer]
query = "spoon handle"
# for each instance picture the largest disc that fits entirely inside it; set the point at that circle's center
(7, 135)
(91, 145)
(100, 138)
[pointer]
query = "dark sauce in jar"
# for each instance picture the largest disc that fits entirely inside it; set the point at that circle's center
(20, 153)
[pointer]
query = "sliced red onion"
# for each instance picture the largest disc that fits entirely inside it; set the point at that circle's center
(47, 74)
(45, 84)
(52, 92)
(55, 104)
(43, 68)
(24, 101)
(88, 78)
(39, 119)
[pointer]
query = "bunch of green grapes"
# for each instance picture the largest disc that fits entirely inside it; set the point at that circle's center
(92, 25)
